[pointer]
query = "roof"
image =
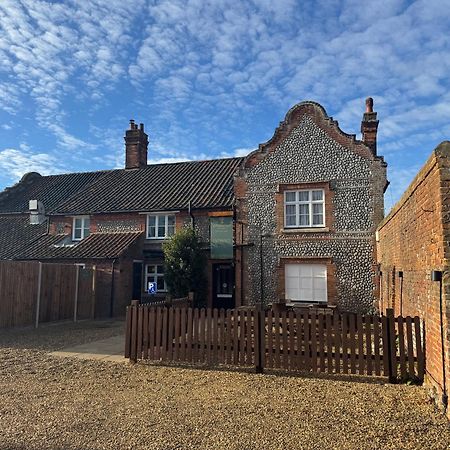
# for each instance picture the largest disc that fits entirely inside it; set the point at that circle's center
(203, 184)
(16, 233)
(96, 245)
(50, 190)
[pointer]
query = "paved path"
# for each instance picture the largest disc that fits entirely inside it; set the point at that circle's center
(110, 349)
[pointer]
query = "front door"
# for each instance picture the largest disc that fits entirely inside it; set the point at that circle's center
(223, 286)
(137, 280)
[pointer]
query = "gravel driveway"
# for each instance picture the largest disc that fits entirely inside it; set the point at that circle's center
(54, 403)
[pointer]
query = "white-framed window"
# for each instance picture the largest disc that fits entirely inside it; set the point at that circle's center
(304, 208)
(154, 273)
(80, 227)
(160, 226)
(306, 283)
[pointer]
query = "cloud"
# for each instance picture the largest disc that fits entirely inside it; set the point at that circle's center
(18, 162)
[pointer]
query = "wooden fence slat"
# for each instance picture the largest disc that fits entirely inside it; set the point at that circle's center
(401, 346)
(140, 330)
(202, 331)
(170, 333)
(386, 345)
(337, 343)
(270, 339)
(189, 332)
(195, 339)
(313, 341)
(242, 326)
(321, 350)
(392, 344)
(376, 345)
(145, 333)
(229, 338)
(177, 334)
(368, 322)
(222, 335)
(345, 328)
(329, 338)
(183, 318)
(419, 349)
(165, 343)
(151, 330)
(284, 331)
(361, 362)
(208, 335)
(276, 318)
(306, 340)
(352, 342)
(215, 342)
(409, 342)
(158, 314)
(127, 328)
(292, 357)
(249, 347)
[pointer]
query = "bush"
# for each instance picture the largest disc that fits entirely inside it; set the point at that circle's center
(185, 264)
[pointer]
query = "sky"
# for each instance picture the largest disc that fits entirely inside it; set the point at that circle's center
(213, 79)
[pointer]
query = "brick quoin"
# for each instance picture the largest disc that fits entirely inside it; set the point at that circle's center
(415, 239)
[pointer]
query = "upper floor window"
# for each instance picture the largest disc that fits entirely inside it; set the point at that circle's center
(160, 226)
(304, 208)
(80, 227)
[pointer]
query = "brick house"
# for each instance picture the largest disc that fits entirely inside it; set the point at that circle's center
(299, 214)
(309, 200)
(413, 253)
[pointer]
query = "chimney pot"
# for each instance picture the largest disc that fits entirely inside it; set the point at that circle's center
(142, 126)
(369, 126)
(369, 104)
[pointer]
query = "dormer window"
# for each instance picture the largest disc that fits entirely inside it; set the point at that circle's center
(80, 227)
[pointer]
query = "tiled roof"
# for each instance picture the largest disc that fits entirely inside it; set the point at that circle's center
(50, 190)
(206, 184)
(96, 245)
(16, 233)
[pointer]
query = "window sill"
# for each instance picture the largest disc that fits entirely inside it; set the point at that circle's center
(306, 230)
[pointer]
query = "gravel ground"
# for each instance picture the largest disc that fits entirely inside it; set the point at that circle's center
(55, 403)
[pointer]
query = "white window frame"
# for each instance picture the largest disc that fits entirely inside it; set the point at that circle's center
(310, 202)
(158, 219)
(84, 229)
(154, 276)
(317, 285)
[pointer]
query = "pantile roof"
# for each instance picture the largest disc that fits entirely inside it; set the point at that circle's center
(16, 233)
(96, 245)
(205, 184)
(50, 190)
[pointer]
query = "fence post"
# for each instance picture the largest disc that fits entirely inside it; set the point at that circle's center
(259, 336)
(38, 296)
(93, 292)
(391, 344)
(132, 313)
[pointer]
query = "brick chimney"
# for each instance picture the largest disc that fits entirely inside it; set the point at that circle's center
(136, 143)
(369, 126)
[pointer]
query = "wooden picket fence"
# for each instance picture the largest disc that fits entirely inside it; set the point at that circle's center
(299, 341)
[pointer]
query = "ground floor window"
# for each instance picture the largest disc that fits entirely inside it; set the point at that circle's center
(154, 273)
(306, 282)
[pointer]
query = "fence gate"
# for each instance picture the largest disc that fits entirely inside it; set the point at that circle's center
(302, 340)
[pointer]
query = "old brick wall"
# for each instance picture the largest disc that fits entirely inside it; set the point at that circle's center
(413, 240)
(309, 150)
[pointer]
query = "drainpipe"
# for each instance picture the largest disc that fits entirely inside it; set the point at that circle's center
(436, 275)
(192, 217)
(111, 302)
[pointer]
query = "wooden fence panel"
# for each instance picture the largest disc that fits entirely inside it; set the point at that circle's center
(294, 340)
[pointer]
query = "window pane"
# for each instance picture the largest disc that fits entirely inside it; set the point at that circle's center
(290, 196)
(151, 221)
(304, 215)
(161, 231)
(290, 215)
(303, 196)
(77, 233)
(160, 269)
(170, 230)
(160, 283)
(151, 271)
(317, 195)
(171, 220)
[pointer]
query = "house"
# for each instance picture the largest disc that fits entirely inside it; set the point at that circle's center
(413, 254)
(294, 220)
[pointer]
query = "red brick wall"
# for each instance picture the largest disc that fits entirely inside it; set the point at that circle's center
(414, 239)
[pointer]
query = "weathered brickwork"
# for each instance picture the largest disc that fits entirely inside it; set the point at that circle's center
(414, 240)
(309, 151)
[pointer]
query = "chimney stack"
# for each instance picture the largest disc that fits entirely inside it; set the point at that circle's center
(369, 126)
(136, 144)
